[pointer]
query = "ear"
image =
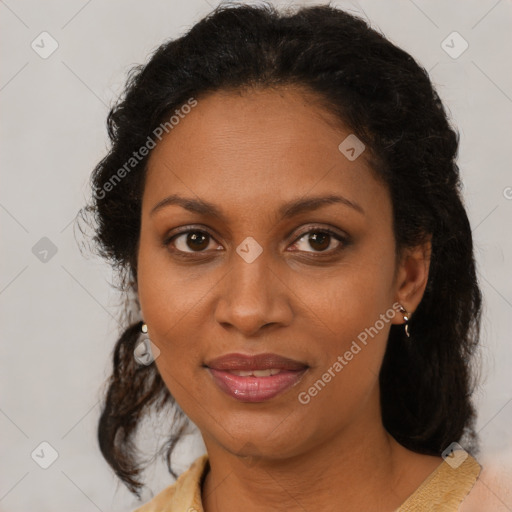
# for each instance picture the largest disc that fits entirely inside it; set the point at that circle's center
(412, 277)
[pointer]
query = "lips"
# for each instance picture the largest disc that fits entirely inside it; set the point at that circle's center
(255, 378)
(245, 362)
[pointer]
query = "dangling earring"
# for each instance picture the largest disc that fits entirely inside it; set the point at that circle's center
(406, 319)
(145, 352)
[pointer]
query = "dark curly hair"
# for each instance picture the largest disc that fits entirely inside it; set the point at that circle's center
(381, 93)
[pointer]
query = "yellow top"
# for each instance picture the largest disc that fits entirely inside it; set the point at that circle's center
(442, 491)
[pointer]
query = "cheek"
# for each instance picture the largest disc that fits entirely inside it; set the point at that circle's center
(353, 310)
(169, 293)
(173, 301)
(350, 311)
(355, 296)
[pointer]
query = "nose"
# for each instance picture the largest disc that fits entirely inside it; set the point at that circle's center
(253, 297)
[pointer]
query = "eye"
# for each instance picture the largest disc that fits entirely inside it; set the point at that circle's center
(320, 239)
(199, 241)
(190, 241)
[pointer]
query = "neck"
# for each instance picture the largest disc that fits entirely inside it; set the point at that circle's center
(358, 469)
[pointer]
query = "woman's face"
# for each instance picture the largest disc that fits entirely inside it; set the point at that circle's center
(261, 278)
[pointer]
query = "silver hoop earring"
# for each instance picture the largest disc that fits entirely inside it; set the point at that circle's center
(406, 319)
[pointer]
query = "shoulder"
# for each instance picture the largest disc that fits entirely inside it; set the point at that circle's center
(447, 485)
(492, 490)
(182, 495)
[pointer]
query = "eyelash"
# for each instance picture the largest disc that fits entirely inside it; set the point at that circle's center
(344, 241)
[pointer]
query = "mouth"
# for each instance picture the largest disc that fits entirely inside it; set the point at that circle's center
(256, 378)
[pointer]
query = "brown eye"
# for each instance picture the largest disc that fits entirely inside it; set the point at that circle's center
(197, 240)
(191, 241)
(320, 240)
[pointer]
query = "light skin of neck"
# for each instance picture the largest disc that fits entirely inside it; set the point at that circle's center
(362, 468)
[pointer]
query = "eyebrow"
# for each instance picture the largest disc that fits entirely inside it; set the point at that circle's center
(288, 209)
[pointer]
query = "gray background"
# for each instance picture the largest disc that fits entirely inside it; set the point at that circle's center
(59, 315)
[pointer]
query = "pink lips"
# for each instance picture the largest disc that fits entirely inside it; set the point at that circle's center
(255, 388)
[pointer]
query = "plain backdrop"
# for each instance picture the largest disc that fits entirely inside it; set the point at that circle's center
(58, 313)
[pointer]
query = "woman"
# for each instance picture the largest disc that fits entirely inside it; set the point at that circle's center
(282, 199)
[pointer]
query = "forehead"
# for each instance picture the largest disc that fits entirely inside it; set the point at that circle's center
(255, 146)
